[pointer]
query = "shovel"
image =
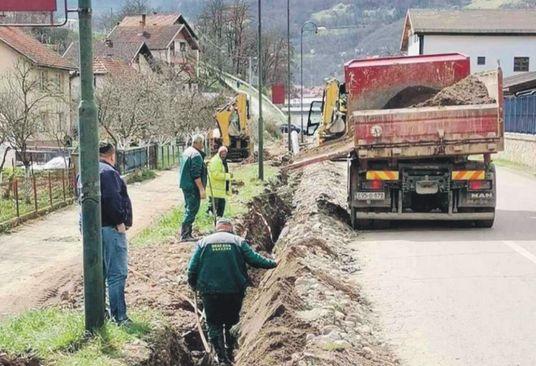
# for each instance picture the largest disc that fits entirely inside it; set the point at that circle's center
(207, 359)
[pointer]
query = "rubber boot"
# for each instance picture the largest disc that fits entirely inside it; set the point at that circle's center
(219, 349)
(186, 233)
(230, 344)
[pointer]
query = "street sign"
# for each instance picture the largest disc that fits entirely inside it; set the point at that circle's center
(28, 5)
(278, 94)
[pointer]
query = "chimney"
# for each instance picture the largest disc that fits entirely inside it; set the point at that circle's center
(143, 19)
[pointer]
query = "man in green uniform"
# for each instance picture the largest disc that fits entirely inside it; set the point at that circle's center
(218, 271)
(218, 183)
(192, 181)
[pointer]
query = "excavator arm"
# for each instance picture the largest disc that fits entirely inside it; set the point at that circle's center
(234, 126)
(333, 120)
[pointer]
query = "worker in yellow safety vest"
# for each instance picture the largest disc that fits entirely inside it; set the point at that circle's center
(218, 187)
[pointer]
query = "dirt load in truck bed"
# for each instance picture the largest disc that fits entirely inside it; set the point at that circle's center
(465, 92)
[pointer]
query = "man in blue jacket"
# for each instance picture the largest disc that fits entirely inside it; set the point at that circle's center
(218, 270)
(192, 181)
(116, 212)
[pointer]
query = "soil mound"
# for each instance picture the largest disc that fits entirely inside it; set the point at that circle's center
(410, 96)
(465, 92)
(307, 311)
(5, 361)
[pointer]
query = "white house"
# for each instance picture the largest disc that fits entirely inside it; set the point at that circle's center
(486, 36)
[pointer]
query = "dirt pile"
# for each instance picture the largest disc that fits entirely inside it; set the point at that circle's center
(465, 92)
(306, 312)
(6, 361)
(411, 96)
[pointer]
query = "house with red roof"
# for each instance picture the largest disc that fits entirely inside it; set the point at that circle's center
(53, 71)
(169, 37)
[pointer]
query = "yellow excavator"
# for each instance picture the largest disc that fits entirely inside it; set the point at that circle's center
(327, 118)
(234, 129)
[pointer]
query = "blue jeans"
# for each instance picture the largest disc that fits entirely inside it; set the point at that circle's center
(115, 270)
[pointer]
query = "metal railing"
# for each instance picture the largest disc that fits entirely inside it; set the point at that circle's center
(152, 156)
(520, 114)
(25, 197)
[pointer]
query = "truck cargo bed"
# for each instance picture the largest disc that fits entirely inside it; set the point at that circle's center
(432, 131)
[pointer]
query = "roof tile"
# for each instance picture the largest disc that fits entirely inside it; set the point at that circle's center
(157, 38)
(33, 49)
(473, 21)
(151, 20)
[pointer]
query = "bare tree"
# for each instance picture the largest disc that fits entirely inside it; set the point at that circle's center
(123, 107)
(134, 7)
(230, 39)
(23, 94)
(4, 149)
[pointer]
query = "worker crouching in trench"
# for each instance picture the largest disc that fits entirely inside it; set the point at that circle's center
(217, 270)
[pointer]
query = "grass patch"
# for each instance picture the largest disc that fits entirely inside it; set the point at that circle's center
(57, 337)
(169, 224)
(141, 176)
(522, 168)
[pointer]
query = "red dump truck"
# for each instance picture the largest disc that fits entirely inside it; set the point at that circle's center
(411, 162)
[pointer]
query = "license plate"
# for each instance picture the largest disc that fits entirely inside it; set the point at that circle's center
(370, 196)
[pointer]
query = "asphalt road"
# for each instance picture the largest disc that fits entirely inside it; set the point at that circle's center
(450, 296)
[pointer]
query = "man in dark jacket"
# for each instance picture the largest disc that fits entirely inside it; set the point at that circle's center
(116, 212)
(192, 181)
(218, 271)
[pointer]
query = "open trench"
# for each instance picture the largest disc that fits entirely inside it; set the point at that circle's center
(305, 312)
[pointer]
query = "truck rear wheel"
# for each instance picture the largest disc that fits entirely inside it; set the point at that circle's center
(357, 223)
(484, 223)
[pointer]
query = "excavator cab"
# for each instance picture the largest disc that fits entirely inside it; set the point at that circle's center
(332, 124)
(233, 121)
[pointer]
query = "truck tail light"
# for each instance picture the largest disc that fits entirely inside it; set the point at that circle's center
(372, 185)
(479, 185)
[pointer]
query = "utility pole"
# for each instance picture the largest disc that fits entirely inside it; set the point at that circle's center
(250, 71)
(301, 83)
(288, 76)
(259, 71)
(89, 175)
(316, 29)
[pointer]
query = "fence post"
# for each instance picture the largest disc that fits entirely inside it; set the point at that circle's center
(173, 154)
(16, 191)
(63, 184)
(50, 189)
(34, 192)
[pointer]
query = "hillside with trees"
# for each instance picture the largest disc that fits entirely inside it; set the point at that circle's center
(355, 28)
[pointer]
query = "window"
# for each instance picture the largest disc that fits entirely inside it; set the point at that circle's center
(183, 47)
(521, 64)
(43, 80)
(481, 60)
(42, 127)
(56, 82)
(61, 121)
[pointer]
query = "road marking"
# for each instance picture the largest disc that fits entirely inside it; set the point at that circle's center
(518, 248)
